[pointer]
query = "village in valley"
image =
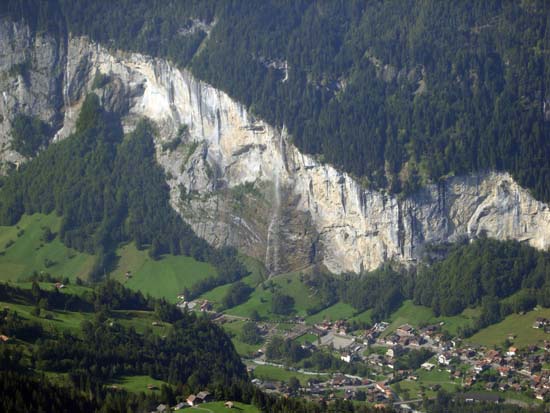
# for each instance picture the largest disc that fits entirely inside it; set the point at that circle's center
(401, 366)
(385, 363)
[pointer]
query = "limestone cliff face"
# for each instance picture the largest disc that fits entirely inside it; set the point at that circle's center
(238, 181)
(31, 74)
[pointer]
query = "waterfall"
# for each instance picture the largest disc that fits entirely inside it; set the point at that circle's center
(272, 250)
(272, 257)
(66, 99)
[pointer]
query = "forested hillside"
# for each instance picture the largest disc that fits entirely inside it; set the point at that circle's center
(397, 92)
(485, 268)
(102, 349)
(108, 191)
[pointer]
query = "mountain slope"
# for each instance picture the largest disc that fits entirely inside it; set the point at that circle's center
(238, 181)
(397, 93)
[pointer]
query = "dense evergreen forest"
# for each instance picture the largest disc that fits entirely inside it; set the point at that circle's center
(108, 190)
(482, 273)
(483, 268)
(397, 92)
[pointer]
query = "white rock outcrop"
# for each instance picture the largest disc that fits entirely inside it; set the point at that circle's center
(236, 180)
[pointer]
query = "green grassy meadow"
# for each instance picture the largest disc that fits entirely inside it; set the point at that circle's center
(365, 317)
(68, 289)
(417, 315)
(28, 253)
(71, 321)
(520, 325)
(66, 320)
(61, 320)
(23, 252)
(138, 384)
(257, 276)
(310, 338)
(409, 313)
(234, 330)
(288, 284)
(166, 277)
(142, 321)
(426, 379)
(338, 311)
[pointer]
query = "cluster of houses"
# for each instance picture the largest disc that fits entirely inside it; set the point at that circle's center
(406, 335)
(272, 386)
(525, 371)
(332, 388)
(543, 323)
(352, 389)
(335, 335)
(372, 333)
(203, 306)
(475, 368)
(201, 397)
(374, 392)
(191, 401)
(338, 327)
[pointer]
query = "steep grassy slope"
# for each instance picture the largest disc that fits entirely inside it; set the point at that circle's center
(165, 277)
(112, 336)
(29, 252)
(287, 284)
(518, 325)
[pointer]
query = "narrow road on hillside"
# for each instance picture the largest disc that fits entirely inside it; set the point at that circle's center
(408, 401)
(230, 317)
